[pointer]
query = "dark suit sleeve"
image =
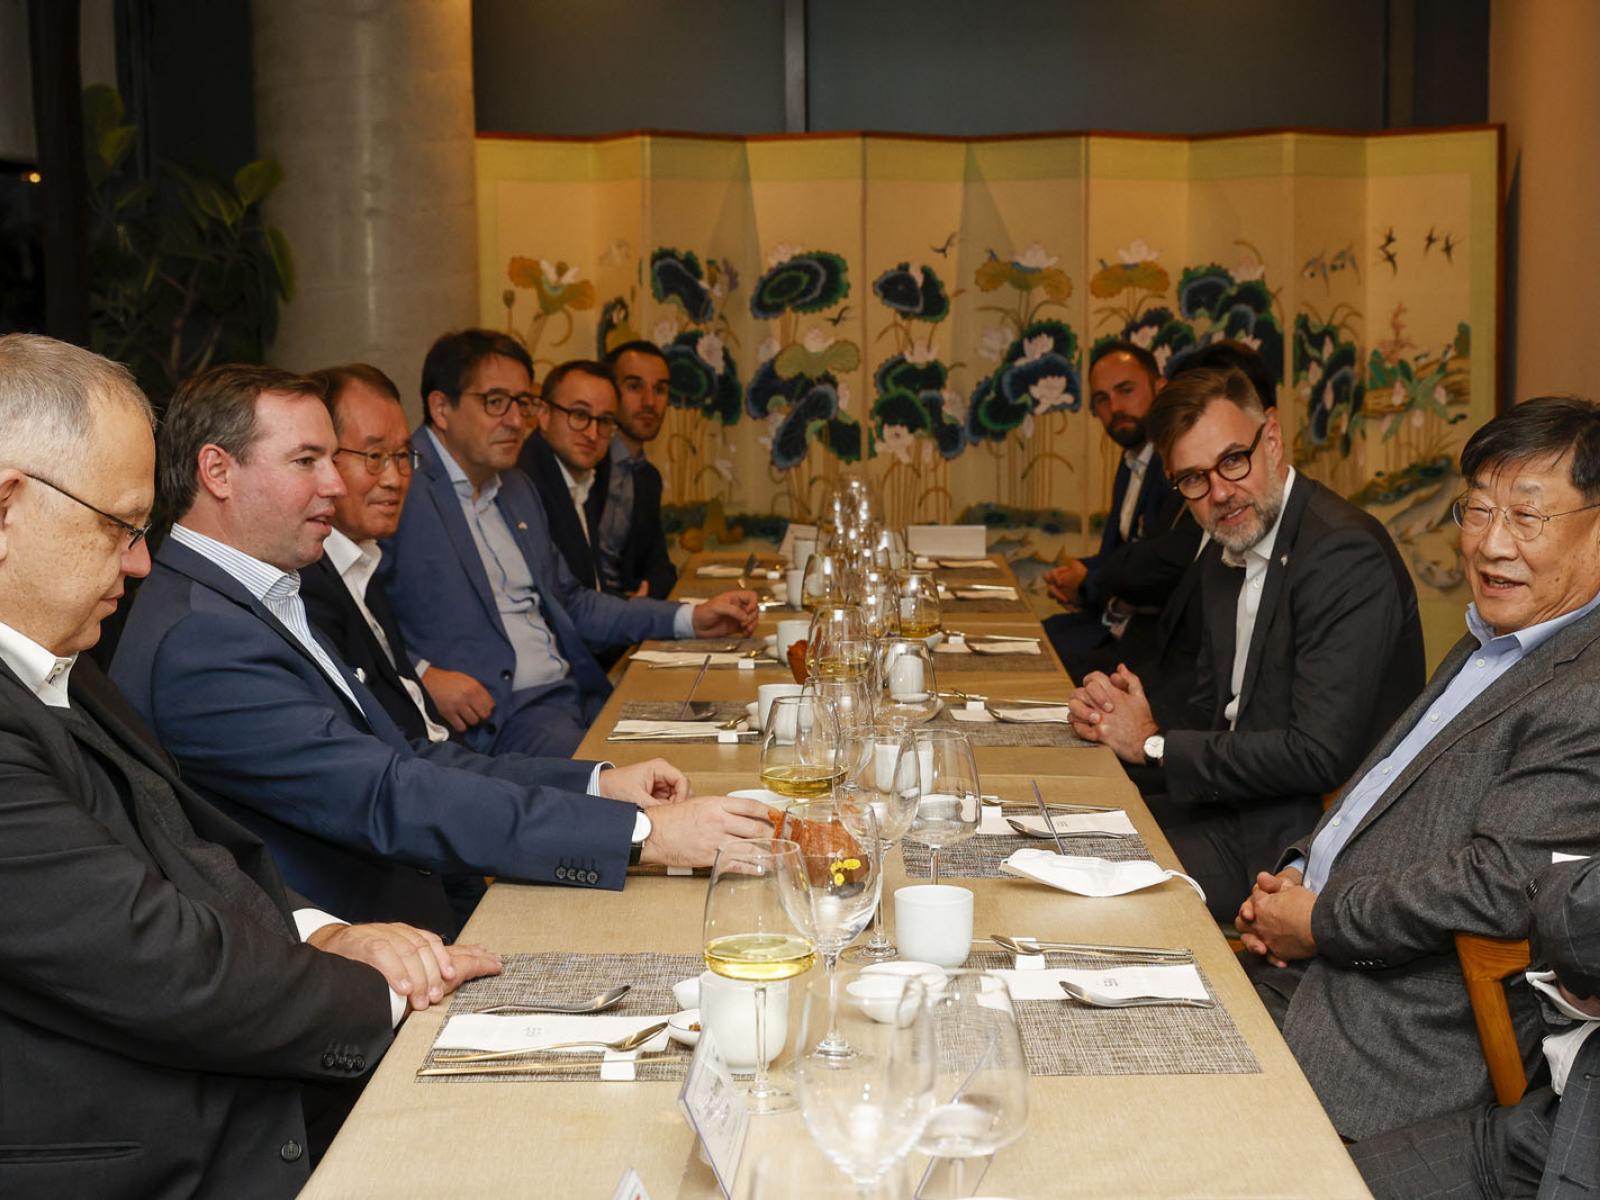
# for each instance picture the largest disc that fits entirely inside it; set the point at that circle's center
(606, 620)
(1541, 800)
(655, 566)
(1145, 572)
(101, 949)
(1348, 617)
(246, 727)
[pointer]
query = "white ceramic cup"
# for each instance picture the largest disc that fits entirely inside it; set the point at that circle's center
(802, 550)
(728, 1010)
(790, 632)
(791, 586)
(933, 923)
(767, 693)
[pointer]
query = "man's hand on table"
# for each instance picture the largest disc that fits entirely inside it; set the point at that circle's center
(1113, 710)
(1064, 581)
(1275, 922)
(727, 614)
(461, 700)
(689, 834)
(646, 784)
(415, 962)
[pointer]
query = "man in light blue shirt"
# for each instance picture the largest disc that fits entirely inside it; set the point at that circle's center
(1494, 769)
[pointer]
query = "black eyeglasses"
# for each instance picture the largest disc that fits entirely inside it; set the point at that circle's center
(405, 461)
(497, 400)
(1524, 521)
(1233, 467)
(581, 418)
(136, 533)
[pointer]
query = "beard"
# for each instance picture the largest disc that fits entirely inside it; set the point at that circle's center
(1127, 432)
(1237, 539)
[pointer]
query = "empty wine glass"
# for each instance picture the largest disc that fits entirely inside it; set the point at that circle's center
(866, 1112)
(947, 811)
(980, 1098)
(798, 1170)
(800, 748)
(920, 610)
(887, 778)
(908, 686)
(843, 871)
(850, 700)
(757, 929)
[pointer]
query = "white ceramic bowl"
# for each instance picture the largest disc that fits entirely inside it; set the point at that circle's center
(881, 997)
(932, 975)
(687, 992)
(684, 1027)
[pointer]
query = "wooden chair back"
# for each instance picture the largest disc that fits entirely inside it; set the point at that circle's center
(1486, 963)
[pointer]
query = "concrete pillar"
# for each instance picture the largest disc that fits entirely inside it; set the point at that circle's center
(1544, 86)
(368, 106)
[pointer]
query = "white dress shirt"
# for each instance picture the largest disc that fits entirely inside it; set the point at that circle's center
(578, 488)
(46, 674)
(1255, 562)
(356, 562)
(1138, 464)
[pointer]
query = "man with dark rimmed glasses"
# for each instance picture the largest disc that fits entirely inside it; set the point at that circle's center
(476, 581)
(1311, 647)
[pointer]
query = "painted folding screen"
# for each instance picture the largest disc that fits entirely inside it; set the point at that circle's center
(923, 310)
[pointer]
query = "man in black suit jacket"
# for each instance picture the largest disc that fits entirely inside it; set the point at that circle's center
(1312, 646)
(1118, 593)
(632, 558)
(162, 997)
(1547, 1144)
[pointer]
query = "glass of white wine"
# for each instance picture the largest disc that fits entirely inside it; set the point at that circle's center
(758, 930)
(828, 579)
(800, 749)
(880, 603)
(886, 777)
(907, 684)
(835, 641)
(947, 811)
(920, 611)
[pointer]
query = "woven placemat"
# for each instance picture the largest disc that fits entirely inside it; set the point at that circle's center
(1009, 733)
(1068, 1038)
(1010, 663)
(980, 856)
(707, 645)
(568, 977)
(953, 605)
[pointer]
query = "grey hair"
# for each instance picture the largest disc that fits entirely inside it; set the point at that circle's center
(49, 393)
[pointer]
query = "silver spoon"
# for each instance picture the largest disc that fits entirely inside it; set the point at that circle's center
(594, 1004)
(632, 1042)
(1083, 997)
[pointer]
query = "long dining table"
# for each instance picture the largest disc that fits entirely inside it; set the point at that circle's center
(1250, 1133)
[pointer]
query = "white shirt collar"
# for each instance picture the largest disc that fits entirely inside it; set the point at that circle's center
(345, 553)
(1262, 550)
(41, 672)
(1138, 461)
(259, 578)
(574, 482)
(458, 477)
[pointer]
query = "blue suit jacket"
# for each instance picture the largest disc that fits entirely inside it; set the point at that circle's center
(1156, 511)
(447, 613)
(357, 818)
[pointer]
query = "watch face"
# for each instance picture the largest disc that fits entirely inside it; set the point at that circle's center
(1155, 747)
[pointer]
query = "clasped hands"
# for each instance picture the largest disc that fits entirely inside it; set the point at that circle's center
(1114, 711)
(415, 963)
(1275, 922)
(1064, 581)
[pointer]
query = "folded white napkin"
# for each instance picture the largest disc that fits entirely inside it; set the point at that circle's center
(948, 541)
(673, 729)
(924, 563)
(686, 658)
(995, 822)
(1090, 876)
(998, 592)
(1007, 647)
(1180, 981)
(720, 571)
(533, 1031)
(1039, 714)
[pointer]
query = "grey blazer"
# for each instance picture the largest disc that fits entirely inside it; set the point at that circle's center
(1380, 1020)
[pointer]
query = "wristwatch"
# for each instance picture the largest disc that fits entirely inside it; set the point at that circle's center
(1155, 750)
(641, 831)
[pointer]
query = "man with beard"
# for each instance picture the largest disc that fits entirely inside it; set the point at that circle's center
(1123, 382)
(630, 549)
(1311, 649)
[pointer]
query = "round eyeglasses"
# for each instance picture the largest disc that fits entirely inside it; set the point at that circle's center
(376, 461)
(1523, 521)
(579, 419)
(1233, 467)
(497, 400)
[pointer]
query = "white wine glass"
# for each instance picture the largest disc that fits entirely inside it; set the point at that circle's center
(908, 685)
(843, 871)
(867, 1112)
(796, 1169)
(835, 641)
(827, 580)
(851, 701)
(947, 811)
(920, 610)
(887, 778)
(757, 930)
(980, 1099)
(880, 603)
(800, 749)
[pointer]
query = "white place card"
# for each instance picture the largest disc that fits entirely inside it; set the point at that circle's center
(715, 1109)
(1084, 876)
(1180, 981)
(996, 822)
(948, 541)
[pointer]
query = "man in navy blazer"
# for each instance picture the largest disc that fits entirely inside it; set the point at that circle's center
(219, 659)
(1123, 382)
(475, 579)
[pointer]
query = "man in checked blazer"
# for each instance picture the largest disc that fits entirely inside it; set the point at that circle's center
(1548, 1143)
(1494, 768)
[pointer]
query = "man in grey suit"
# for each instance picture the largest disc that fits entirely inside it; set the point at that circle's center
(1548, 1144)
(1495, 767)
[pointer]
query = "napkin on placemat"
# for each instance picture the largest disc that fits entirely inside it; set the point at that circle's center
(1090, 876)
(539, 1031)
(997, 592)
(1005, 647)
(672, 729)
(719, 571)
(1040, 714)
(995, 821)
(1180, 981)
(924, 563)
(685, 658)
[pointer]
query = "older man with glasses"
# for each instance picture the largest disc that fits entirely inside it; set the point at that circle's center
(1488, 776)
(506, 630)
(1311, 647)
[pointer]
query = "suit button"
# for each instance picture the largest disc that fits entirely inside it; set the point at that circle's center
(359, 1063)
(592, 877)
(506, 675)
(328, 1060)
(561, 872)
(291, 1151)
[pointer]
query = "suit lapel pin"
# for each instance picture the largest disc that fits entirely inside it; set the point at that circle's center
(522, 525)
(361, 674)
(1283, 561)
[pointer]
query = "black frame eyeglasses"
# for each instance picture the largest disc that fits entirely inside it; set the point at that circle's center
(136, 533)
(1523, 521)
(1192, 485)
(497, 400)
(405, 461)
(579, 419)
